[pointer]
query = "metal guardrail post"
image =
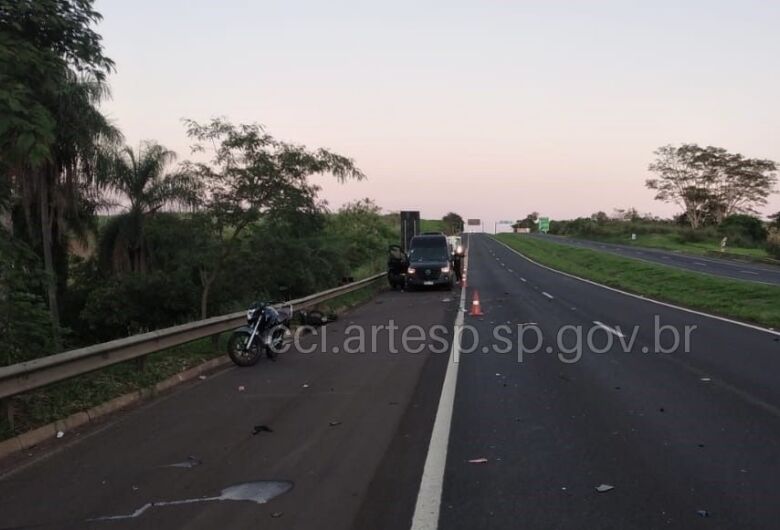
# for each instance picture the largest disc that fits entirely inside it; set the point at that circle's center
(7, 409)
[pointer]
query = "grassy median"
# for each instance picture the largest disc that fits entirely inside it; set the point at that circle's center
(672, 242)
(752, 302)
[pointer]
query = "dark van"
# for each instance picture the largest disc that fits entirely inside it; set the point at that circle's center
(429, 262)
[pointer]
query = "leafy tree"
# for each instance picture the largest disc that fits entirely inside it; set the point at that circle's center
(600, 217)
(682, 179)
(530, 222)
(775, 219)
(59, 196)
(41, 43)
(24, 320)
(773, 242)
(361, 234)
(52, 72)
(140, 178)
(453, 223)
(743, 229)
(711, 181)
(252, 176)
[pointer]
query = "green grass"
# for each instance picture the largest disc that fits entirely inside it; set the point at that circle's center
(57, 401)
(746, 301)
(672, 242)
(60, 400)
(431, 225)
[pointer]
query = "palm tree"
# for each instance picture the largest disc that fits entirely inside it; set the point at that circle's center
(140, 178)
(58, 192)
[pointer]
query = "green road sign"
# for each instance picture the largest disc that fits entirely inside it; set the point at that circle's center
(544, 224)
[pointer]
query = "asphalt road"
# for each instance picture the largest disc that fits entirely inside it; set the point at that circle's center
(685, 439)
(729, 268)
(335, 419)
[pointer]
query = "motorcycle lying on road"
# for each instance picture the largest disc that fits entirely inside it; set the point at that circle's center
(265, 332)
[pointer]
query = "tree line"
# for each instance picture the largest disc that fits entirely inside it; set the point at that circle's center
(100, 240)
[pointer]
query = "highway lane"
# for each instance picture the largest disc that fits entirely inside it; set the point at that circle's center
(349, 431)
(728, 268)
(686, 439)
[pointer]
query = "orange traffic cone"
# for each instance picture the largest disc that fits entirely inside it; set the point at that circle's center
(476, 310)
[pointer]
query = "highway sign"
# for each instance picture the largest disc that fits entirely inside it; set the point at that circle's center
(544, 224)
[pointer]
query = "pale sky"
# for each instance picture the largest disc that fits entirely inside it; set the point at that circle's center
(492, 109)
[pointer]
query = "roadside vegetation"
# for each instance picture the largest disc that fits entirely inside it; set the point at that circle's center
(60, 400)
(747, 236)
(450, 224)
(746, 301)
(99, 240)
(719, 193)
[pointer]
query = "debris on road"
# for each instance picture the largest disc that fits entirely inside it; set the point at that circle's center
(262, 428)
(478, 461)
(305, 385)
(705, 379)
(187, 464)
(202, 377)
(334, 423)
(60, 434)
(445, 300)
(277, 515)
(602, 488)
(241, 388)
(702, 513)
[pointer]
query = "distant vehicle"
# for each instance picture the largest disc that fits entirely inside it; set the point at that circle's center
(430, 262)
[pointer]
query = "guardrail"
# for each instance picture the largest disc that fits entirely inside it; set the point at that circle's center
(29, 375)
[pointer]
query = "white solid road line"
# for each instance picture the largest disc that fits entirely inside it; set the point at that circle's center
(700, 263)
(548, 295)
(750, 272)
(646, 299)
(426, 511)
(611, 330)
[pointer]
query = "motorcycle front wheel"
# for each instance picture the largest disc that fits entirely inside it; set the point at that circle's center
(238, 351)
